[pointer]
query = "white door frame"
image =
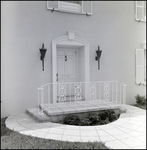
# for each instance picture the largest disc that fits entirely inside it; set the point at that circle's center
(69, 40)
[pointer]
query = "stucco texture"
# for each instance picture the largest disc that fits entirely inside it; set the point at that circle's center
(25, 25)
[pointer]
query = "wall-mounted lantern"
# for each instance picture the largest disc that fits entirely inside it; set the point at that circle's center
(98, 55)
(42, 52)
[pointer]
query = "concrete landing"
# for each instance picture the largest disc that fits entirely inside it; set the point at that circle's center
(77, 107)
(56, 112)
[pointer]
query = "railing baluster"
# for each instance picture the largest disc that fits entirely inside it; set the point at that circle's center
(38, 99)
(48, 96)
(116, 92)
(120, 94)
(124, 93)
(111, 91)
(100, 91)
(70, 93)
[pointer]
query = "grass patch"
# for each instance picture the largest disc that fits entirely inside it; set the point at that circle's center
(14, 140)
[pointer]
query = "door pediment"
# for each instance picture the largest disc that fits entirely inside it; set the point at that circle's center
(70, 44)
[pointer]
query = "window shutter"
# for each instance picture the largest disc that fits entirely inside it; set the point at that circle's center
(52, 5)
(145, 10)
(140, 10)
(139, 66)
(87, 7)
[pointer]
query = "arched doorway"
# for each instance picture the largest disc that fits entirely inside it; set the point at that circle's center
(70, 60)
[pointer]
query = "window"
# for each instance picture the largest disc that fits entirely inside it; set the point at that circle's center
(140, 11)
(78, 7)
(77, 2)
(141, 66)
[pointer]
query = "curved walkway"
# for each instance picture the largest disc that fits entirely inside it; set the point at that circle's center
(128, 132)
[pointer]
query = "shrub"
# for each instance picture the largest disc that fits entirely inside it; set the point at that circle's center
(113, 117)
(106, 121)
(106, 113)
(107, 116)
(85, 122)
(103, 116)
(94, 118)
(71, 119)
(140, 100)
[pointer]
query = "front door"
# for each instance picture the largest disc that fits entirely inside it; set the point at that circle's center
(65, 72)
(65, 65)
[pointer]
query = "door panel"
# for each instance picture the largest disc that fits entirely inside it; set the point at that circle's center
(70, 68)
(61, 69)
(66, 70)
(66, 65)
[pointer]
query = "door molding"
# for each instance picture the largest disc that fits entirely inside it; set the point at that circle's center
(70, 40)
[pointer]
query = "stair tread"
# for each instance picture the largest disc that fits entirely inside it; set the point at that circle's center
(41, 117)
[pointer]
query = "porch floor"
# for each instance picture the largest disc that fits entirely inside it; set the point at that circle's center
(128, 132)
(78, 107)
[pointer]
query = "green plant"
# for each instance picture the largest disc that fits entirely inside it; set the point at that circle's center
(106, 120)
(94, 118)
(106, 113)
(113, 117)
(140, 100)
(107, 116)
(72, 119)
(85, 122)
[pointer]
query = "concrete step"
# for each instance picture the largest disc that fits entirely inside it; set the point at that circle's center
(41, 117)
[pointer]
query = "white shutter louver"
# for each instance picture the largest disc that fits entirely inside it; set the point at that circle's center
(52, 5)
(87, 7)
(140, 66)
(78, 7)
(145, 10)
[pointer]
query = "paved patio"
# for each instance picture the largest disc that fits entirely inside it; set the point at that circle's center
(128, 132)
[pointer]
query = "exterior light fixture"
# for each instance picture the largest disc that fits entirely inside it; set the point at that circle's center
(98, 55)
(42, 52)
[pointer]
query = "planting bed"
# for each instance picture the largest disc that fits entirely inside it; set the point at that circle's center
(91, 118)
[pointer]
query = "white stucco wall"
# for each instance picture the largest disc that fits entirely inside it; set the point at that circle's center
(26, 25)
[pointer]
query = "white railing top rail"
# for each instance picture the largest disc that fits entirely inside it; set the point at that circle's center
(78, 82)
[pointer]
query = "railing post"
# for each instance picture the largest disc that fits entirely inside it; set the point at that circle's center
(123, 109)
(55, 86)
(86, 91)
(42, 98)
(38, 99)
(116, 92)
(124, 93)
(49, 96)
(42, 95)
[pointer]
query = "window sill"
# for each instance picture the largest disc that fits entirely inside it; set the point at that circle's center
(141, 83)
(139, 20)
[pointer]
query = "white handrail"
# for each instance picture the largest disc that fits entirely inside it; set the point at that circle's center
(110, 91)
(79, 82)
